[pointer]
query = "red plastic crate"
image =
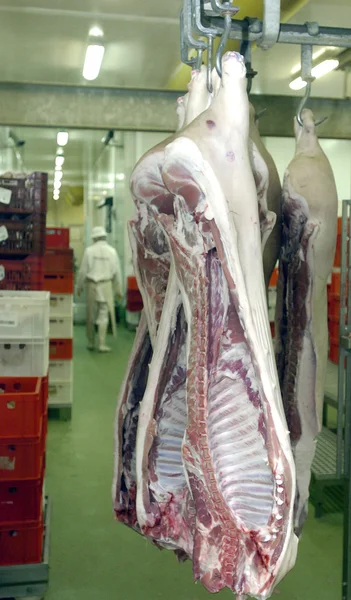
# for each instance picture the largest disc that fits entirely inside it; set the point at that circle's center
(22, 274)
(58, 260)
(132, 283)
(21, 500)
(134, 306)
(335, 282)
(57, 237)
(22, 459)
(25, 235)
(21, 543)
(274, 279)
(333, 327)
(272, 326)
(337, 256)
(333, 305)
(134, 296)
(22, 405)
(28, 194)
(59, 283)
(61, 349)
(334, 351)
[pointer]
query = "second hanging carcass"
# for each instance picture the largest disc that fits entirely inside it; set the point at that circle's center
(203, 458)
(309, 225)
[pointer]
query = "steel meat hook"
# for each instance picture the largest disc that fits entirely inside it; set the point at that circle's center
(221, 8)
(208, 32)
(222, 43)
(306, 75)
(303, 104)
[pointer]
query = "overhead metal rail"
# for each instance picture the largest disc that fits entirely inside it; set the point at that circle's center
(208, 19)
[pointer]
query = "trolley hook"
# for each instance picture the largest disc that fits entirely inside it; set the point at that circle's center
(222, 43)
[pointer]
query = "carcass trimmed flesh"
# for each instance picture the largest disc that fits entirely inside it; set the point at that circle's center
(211, 417)
(309, 215)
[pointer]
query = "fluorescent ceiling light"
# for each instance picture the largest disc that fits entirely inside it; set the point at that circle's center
(325, 67)
(56, 195)
(58, 175)
(93, 61)
(315, 55)
(59, 161)
(62, 138)
(96, 31)
(57, 185)
(59, 151)
(297, 84)
(120, 176)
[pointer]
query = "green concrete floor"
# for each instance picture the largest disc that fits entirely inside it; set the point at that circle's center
(94, 558)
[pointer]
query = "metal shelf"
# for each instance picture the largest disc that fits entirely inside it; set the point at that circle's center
(26, 581)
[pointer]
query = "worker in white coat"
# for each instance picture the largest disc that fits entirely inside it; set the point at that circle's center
(100, 272)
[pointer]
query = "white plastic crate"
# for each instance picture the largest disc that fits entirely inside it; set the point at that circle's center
(60, 370)
(133, 318)
(24, 358)
(61, 327)
(24, 315)
(61, 304)
(60, 394)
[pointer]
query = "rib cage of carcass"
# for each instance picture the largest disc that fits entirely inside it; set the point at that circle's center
(203, 458)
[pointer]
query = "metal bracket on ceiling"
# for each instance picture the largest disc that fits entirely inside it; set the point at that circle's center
(187, 40)
(271, 24)
(209, 32)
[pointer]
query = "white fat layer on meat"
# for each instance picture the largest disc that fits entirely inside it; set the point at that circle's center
(240, 236)
(147, 406)
(238, 452)
(235, 353)
(169, 467)
(152, 325)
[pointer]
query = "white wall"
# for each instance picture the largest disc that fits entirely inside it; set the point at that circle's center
(337, 151)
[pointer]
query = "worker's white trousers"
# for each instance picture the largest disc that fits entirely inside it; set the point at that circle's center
(100, 306)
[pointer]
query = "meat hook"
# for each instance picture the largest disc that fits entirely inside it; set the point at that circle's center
(199, 59)
(209, 64)
(306, 75)
(259, 114)
(303, 104)
(221, 8)
(222, 43)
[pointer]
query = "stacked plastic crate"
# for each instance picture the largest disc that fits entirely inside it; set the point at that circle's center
(59, 280)
(23, 203)
(334, 302)
(134, 302)
(24, 345)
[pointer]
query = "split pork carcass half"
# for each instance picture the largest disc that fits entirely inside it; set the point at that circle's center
(159, 379)
(309, 215)
(224, 438)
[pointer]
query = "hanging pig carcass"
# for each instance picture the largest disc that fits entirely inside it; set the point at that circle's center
(234, 477)
(309, 218)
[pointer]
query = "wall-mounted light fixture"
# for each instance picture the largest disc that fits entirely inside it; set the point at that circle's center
(94, 54)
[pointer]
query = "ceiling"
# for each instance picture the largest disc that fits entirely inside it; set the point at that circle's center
(46, 42)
